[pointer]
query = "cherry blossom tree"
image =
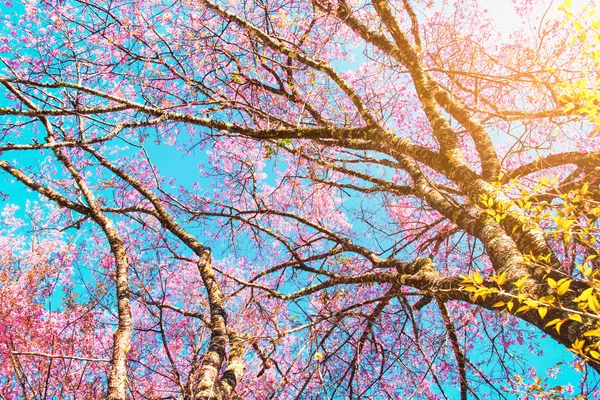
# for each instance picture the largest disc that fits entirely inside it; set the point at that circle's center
(296, 199)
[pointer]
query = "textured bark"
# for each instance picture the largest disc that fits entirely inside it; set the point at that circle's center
(235, 364)
(204, 384)
(117, 379)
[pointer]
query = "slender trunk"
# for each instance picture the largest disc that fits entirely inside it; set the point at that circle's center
(205, 384)
(117, 379)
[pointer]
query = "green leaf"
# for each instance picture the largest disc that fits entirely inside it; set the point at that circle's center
(542, 311)
(576, 317)
(563, 286)
(478, 278)
(593, 332)
(510, 305)
(553, 322)
(500, 279)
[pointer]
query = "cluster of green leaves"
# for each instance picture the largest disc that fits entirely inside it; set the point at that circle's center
(570, 218)
(583, 97)
(540, 388)
(517, 301)
(567, 213)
